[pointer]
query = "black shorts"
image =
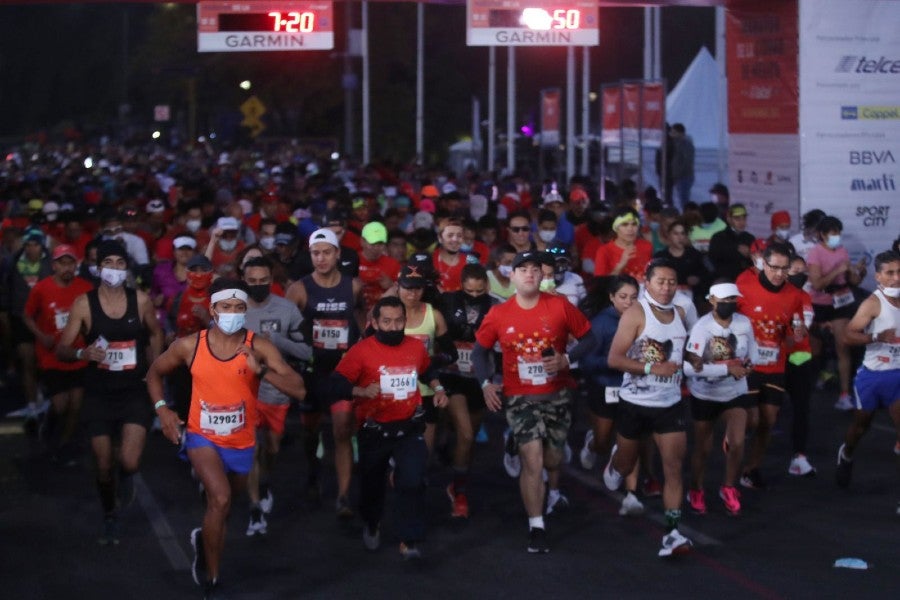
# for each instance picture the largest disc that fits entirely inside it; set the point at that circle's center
(599, 407)
(634, 422)
(431, 411)
(466, 386)
(316, 400)
(18, 332)
(56, 381)
(709, 410)
(825, 313)
(766, 388)
(104, 414)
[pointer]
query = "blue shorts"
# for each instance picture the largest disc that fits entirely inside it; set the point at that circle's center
(238, 461)
(876, 389)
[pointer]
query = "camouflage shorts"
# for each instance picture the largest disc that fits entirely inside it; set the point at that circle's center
(540, 417)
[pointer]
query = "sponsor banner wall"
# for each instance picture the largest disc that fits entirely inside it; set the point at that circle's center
(631, 111)
(763, 171)
(850, 118)
(550, 109)
(612, 114)
(653, 117)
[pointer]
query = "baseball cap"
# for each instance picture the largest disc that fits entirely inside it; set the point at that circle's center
(423, 220)
(553, 197)
(430, 191)
(33, 235)
(529, 256)
(359, 203)
(578, 195)
(283, 239)
(402, 200)
(155, 207)
(324, 235)
(199, 261)
(50, 207)
(35, 204)
(449, 188)
(758, 246)
(737, 210)
(228, 224)
(64, 250)
(724, 290)
(782, 218)
(375, 233)
(184, 241)
(412, 277)
(427, 206)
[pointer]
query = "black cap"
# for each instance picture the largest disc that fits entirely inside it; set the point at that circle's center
(110, 248)
(412, 277)
(533, 256)
(199, 261)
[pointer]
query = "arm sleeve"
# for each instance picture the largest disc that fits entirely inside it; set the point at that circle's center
(481, 362)
(446, 353)
(585, 344)
(291, 344)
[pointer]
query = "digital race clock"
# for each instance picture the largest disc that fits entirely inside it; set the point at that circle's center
(253, 26)
(532, 23)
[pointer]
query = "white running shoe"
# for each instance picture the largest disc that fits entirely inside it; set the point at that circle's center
(265, 504)
(588, 457)
(800, 466)
(674, 543)
(631, 506)
(611, 478)
(257, 525)
(844, 403)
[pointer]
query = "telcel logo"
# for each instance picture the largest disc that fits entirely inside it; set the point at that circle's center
(861, 64)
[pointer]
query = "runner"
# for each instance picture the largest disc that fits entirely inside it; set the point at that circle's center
(532, 328)
(46, 314)
(277, 320)
(877, 326)
(628, 253)
(377, 271)
(800, 375)
(464, 311)
(648, 348)
(122, 335)
(333, 315)
(227, 364)
(771, 305)
(448, 259)
(716, 363)
(381, 374)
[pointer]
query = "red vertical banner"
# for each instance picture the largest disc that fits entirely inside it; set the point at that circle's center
(612, 114)
(631, 111)
(653, 113)
(762, 62)
(550, 116)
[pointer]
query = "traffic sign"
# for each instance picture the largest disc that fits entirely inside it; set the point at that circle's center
(253, 109)
(532, 23)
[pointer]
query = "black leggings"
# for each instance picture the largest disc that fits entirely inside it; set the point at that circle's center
(798, 380)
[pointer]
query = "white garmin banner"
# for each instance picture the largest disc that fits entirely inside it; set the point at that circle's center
(850, 119)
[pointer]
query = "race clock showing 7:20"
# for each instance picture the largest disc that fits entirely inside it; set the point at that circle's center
(258, 26)
(532, 23)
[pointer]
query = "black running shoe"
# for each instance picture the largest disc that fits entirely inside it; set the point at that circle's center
(537, 541)
(198, 568)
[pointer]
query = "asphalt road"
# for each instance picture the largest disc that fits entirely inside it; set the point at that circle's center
(782, 546)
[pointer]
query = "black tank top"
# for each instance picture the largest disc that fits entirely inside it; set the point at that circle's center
(125, 364)
(329, 322)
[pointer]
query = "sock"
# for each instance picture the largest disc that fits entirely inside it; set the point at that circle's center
(460, 478)
(107, 489)
(672, 519)
(536, 522)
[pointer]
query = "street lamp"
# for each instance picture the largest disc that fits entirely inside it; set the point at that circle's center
(245, 85)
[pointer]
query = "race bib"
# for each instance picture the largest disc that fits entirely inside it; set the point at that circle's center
(331, 334)
(120, 356)
(399, 383)
(532, 372)
(612, 395)
(766, 355)
(842, 298)
(222, 420)
(61, 319)
(665, 380)
(464, 362)
(893, 355)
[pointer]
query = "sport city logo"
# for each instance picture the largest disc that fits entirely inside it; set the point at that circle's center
(860, 64)
(873, 216)
(870, 113)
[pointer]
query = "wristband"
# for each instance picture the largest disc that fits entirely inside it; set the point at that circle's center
(647, 367)
(159, 404)
(438, 388)
(263, 369)
(485, 383)
(79, 353)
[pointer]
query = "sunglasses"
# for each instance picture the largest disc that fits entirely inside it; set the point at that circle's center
(519, 229)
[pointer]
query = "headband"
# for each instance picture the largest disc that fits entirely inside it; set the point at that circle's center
(621, 219)
(228, 295)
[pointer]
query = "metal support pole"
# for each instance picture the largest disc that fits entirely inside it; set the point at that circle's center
(349, 125)
(366, 124)
(723, 94)
(657, 42)
(420, 82)
(511, 110)
(585, 110)
(492, 108)
(648, 42)
(570, 112)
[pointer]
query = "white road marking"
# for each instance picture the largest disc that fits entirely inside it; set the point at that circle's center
(161, 527)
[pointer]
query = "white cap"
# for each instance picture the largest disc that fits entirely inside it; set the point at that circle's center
(155, 206)
(50, 207)
(448, 188)
(183, 241)
(724, 290)
(324, 235)
(228, 224)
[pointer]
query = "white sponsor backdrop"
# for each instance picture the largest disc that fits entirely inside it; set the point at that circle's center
(763, 173)
(850, 118)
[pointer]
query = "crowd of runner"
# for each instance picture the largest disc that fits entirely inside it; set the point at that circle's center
(204, 292)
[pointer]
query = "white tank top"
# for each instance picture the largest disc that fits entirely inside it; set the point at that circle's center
(658, 342)
(717, 345)
(881, 356)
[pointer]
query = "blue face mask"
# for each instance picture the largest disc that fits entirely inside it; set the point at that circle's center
(230, 322)
(466, 247)
(834, 241)
(654, 226)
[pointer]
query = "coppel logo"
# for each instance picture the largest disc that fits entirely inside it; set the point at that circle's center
(849, 113)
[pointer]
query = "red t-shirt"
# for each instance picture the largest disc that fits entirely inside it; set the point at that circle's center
(449, 276)
(370, 273)
(771, 314)
(525, 334)
(395, 368)
(609, 254)
(49, 305)
(481, 251)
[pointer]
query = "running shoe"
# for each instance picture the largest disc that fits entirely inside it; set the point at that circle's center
(511, 461)
(800, 466)
(409, 551)
(198, 567)
(844, 469)
(673, 543)
(588, 457)
(109, 534)
(537, 541)
(556, 502)
(459, 504)
(631, 506)
(753, 480)
(371, 538)
(342, 508)
(267, 502)
(257, 525)
(731, 497)
(211, 590)
(482, 436)
(844, 403)
(652, 488)
(697, 501)
(611, 478)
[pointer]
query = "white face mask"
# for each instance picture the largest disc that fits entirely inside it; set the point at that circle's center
(230, 322)
(113, 277)
(783, 233)
(547, 236)
(94, 270)
(891, 292)
(505, 270)
(227, 245)
(759, 262)
(834, 241)
(267, 242)
(547, 285)
(193, 225)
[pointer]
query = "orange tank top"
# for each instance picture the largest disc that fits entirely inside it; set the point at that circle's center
(223, 396)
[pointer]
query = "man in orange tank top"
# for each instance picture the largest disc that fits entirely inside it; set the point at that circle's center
(227, 363)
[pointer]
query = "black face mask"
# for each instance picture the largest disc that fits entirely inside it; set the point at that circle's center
(799, 280)
(259, 293)
(726, 309)
(389, 338)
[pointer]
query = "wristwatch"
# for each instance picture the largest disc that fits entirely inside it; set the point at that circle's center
(485, 383)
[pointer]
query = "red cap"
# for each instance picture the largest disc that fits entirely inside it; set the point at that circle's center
(64, 250)
(782, 218)
(429, 191)
(758, 246)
